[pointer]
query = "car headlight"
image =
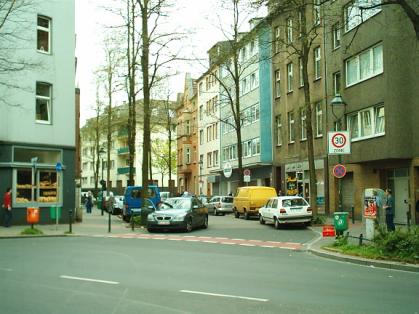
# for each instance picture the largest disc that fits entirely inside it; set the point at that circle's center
(150, 217)
(178, 218)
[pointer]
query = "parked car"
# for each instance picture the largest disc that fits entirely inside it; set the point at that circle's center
(249, 199)
(133, 201)
(220, 205)
(286, 210)
(203, 198)
(178, 213)
(118, 204)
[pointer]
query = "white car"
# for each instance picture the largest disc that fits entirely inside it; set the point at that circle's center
(286, 210)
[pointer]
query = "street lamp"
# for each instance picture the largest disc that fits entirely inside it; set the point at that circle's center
(102, 152)
(338, 110)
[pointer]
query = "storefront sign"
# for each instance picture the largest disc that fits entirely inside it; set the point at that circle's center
(339, 143)
(227, 170)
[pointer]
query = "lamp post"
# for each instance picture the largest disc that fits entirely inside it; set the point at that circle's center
(201, 163)
(338, 110)
(102, 152)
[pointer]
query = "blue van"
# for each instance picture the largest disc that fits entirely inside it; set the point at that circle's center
(133, 201)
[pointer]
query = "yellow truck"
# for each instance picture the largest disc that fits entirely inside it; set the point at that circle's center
(249, 199)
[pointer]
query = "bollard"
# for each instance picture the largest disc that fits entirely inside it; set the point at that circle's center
(409, 217)
(353, 214)
(70, 214)
(360, 239)
(132, 222)
(109, 221)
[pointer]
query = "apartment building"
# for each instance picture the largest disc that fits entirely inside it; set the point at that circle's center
(93, 152)
(291, 166)
(372, 62)
(37, 132)
(209, 125)
(255, 110)
(187, 139)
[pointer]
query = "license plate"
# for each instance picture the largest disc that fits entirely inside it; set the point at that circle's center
(163, 222)
(136, 210)
(296, 208)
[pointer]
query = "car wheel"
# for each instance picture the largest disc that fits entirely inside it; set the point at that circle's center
(215, 212)
(277, 225)
(205, 224)
(126, 218)
(307, 224)
(236, 214)
(188, 227)
(151, 230)
(261, 220)
(246, 216)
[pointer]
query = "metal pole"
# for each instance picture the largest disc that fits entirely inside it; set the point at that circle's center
(102, 192)
(109, 221)
(70, 213)
(340, 206)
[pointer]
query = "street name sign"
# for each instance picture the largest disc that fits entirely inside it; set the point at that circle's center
(339, 143)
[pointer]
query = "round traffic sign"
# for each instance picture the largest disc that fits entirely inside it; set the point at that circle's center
(246, 172)
(339, 140)
(227, 170)
(339, 171)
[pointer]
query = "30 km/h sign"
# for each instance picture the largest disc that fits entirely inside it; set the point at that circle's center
(339, 143)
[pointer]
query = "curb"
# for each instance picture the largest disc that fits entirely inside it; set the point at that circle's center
(364, 261)
(23, 236)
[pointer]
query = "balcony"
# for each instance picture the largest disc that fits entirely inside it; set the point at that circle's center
(123, 133)
(124, 170)
(123, 151)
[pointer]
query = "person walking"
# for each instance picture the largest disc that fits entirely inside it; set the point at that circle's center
(7, 207)
(111, 203)
(89, 202)
(389, 207)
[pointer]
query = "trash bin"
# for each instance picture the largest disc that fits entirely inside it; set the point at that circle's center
(99, 202)
(32, 215)
(340, 220)
(53, 211)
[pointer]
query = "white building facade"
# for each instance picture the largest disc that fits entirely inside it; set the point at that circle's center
(37, 129)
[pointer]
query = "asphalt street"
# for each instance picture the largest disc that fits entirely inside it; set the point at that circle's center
(111, 275)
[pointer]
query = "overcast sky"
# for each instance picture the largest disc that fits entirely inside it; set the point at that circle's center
(195, 16)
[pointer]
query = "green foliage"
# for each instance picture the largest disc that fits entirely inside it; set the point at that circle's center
(318, 220)
(401, 244)
(137, 220)
(31, 231)
(340, 241)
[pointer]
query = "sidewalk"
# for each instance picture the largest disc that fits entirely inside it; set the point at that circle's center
(315, 247)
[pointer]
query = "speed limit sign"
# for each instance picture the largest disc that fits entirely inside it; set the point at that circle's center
(339, 143)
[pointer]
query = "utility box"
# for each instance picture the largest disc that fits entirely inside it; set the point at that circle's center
(373, 210)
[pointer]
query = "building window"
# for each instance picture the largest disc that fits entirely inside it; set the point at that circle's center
(291, 127)
(277, 84)
(188, 127)
(43, 34)
(336, 83)
(201, 112)
(278, 130)
(303, 124)
(317, 63)
(43, 102)
(254, 81)
(336, 35)
(319, 120)
(289, 31)
(247, 148)
(256, 146)
(367, 123)
(355, 14)
(364, 66)
(209, 159)
(215, 157)
(316, 12)
(290, 78)
(201, 137)
(300, 62)
(188, 155)
(201, 88)
(277, 39)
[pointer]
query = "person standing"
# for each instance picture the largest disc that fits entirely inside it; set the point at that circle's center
(389, 207)
(89, 202)
(111, 202)
(7, 206)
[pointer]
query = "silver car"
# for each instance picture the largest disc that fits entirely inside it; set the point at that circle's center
(220, 205)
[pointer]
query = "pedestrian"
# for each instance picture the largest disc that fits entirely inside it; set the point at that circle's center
(111, 203)
(389, 208)
(89, 202)
(7, 207)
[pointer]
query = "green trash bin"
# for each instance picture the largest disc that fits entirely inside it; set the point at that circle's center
(53, 211)
(99, 201)
(340, 220)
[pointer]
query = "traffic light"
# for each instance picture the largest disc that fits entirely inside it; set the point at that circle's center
(103, 184)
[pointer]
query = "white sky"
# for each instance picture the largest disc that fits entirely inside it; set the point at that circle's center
(194, 16)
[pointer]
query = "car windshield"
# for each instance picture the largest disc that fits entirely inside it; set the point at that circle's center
(294, 202)
(227, 199)
(175, 203)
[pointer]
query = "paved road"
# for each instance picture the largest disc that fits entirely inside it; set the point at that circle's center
(110, 275)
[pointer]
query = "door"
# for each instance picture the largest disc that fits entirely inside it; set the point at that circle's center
(347, 192)
(274, 209)
(401, 199)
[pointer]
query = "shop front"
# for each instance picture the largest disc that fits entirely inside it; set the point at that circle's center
(36, 181)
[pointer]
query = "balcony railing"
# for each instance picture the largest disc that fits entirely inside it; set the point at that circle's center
(124, 170)
(123, 150)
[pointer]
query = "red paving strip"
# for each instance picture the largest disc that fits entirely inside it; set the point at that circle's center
(217, 240)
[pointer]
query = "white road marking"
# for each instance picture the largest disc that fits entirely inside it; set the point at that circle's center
(224, 295)
(191, 240)
(246, 244)
(239, 239)
(270, 246)
(221, 238)
(174, 239)
(90, 280)
(228, 243)
(208, 241)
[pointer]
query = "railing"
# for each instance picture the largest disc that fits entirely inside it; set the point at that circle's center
(124, 170)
